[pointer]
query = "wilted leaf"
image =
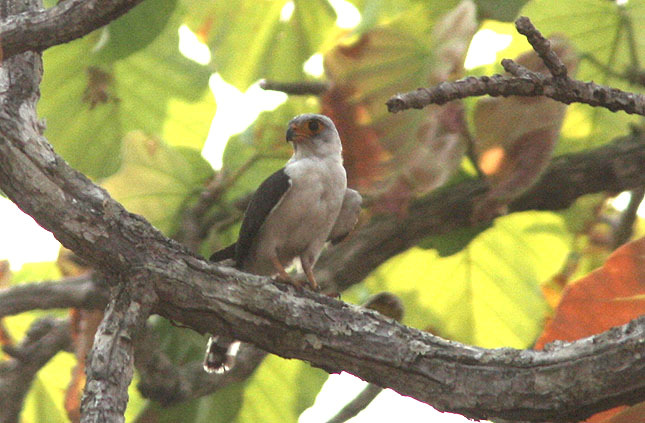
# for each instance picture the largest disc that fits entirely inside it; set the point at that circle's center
(408, 154)
(615, 293)
(156, 180)
(515, 137)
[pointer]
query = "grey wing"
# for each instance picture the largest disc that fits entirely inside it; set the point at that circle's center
(266, 197)
(348, 216)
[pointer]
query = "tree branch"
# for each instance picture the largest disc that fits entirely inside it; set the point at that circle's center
(296, 88)
(110, 363)
(525, 83)
(45, 339)
(40, 29)
(79, 292)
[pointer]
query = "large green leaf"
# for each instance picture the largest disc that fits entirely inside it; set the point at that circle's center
(250, 41)
(91, 101)
(280, 390)
(488, 294)
(156, 180)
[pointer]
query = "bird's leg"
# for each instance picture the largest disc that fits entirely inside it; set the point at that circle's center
(282, 274)
(307, 266)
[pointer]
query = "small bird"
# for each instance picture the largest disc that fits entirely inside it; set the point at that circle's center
(293, 214)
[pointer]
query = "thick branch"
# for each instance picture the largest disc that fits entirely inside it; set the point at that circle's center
(110, 363)
(70, 19)
(44, 340)
(80, 292)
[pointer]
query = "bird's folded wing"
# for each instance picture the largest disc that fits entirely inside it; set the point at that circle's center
(348, 216)
(265, 199)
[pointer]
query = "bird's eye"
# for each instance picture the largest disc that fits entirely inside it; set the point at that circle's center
(314, 125)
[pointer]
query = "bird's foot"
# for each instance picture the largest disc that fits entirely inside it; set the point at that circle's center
(285, 278)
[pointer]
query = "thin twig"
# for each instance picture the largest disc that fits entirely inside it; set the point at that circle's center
(525, 83)
(296, 88)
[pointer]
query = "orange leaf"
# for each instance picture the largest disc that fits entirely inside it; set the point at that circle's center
(610, 296)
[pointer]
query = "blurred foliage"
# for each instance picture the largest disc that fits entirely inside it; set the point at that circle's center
(126, 108)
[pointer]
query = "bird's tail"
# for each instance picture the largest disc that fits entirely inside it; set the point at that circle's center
(220, 354)
(224, 253)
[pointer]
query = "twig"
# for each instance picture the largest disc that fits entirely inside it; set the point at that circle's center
(357, 405)
(296, 88)
(525, 83)
(542, 47)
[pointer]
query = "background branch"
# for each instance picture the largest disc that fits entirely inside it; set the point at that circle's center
(87, 291)
(296, 88)
(45, 339)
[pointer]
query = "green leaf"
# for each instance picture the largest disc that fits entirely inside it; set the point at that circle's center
(221, 407)
(90, 105)
(44, 402)
(136, 29)
(249, 40)
(488, 294)
(280, 390)
(156, 180)
(452, 242)
(505, 10)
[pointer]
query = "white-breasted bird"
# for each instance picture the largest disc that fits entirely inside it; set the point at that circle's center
(293, 213)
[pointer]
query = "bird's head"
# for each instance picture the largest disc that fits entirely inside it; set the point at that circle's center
(314, 135)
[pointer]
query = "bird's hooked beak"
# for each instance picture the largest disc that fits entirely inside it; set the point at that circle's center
(291, 133)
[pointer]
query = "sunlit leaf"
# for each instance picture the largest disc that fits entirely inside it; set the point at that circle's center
(157, 180)
(488, 294)
(90, 104)
(615, 292)
(266, 398)
(271, 47)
